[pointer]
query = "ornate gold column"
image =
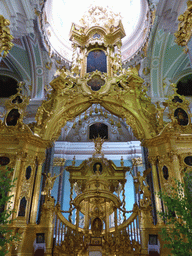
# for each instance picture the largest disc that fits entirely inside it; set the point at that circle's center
(47, 222)
(176, 165)
(15, 177)
(20, 162)
(115, 213)
(146, 224)
(156, 187)
(106, 218)
(36, 191)
(87, 215)
(77, 219)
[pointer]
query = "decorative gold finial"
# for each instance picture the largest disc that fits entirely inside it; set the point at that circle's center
(74, 160)
(5, 37)
(122, 162)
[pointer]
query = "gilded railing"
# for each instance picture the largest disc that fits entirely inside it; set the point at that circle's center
(122, 241)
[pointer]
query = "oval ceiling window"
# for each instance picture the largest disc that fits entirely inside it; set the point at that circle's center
(188, 160)
(4, 160)
(58, 16)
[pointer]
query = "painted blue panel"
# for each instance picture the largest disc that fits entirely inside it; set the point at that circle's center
(65, 200)
(96, 59)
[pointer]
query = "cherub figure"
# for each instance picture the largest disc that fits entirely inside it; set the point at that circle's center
(49, 182)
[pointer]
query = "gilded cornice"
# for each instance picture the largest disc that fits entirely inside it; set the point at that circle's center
(167, 137)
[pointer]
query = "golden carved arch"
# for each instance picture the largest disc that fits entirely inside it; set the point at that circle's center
(124, 96)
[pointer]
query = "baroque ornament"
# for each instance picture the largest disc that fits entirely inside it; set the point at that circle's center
(183, 35)
(5, 37)
(121, 91)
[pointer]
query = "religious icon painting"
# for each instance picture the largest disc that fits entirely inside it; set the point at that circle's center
(181, 116)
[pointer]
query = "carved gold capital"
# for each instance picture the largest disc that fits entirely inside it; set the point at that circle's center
(153, 159)
(40, 159)
(172, 155)
(21, 155)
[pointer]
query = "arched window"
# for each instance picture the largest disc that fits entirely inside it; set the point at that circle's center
(96, 59)
(184, 86)
(8, 86)
(98, 129)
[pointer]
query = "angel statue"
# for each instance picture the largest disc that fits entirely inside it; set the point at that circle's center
(140, 183)
(49, 182)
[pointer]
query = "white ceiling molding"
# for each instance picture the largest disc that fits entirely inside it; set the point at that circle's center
(111, 150)
(168, 12)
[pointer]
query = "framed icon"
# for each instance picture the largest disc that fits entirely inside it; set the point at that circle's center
(40, 238)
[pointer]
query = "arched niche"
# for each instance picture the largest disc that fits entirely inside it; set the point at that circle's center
(184, 85)
(98, 129)
(22, 207)
(8, 86)
(165, 172)
(28, 172)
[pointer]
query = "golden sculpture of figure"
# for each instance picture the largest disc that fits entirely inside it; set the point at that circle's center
(49, 182)
(140, 180)
(160, 112)
(98, 144)
(141, 183)
(116, 63)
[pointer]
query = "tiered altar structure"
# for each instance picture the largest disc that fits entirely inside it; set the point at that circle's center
(96, 76)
